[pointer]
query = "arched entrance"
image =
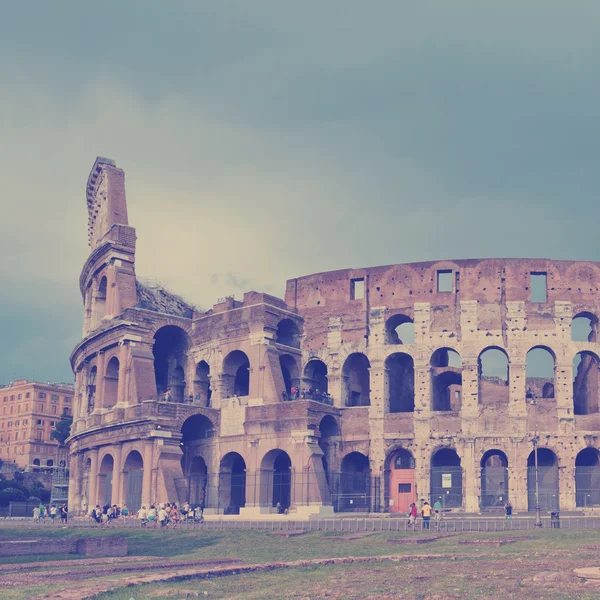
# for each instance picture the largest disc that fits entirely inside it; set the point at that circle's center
(196, 434)
(446, 478)
(111, 383)
(232, 483)
(328, 429)
(547, 480)
(355, 377)
(170, 360)
(315, 375)
(133, 473)
(276, 479)
(494, 479)
(401, 481)
(105, 479)
(236, 374)
(197, 476)
(353, 490)
(587, 478)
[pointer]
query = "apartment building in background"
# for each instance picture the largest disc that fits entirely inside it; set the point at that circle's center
(28, 414)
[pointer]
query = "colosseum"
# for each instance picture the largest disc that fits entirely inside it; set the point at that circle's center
(361, 390)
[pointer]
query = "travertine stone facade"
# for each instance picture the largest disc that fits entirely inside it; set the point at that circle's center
(421, 381)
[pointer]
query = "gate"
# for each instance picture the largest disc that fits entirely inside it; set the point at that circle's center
(134, 490)
(548, 487)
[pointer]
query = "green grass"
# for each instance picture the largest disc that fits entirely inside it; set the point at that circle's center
(479, 572)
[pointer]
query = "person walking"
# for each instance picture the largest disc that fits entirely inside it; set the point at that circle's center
(412, 515)
(64, 514)
(508, 511)
(142, 515)
(437, 513)
(36, 513)
(426, 514)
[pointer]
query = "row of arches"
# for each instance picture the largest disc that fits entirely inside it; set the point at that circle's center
(133, 469)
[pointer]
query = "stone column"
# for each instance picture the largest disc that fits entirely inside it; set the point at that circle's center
(123, 360)
(147, 475)
(99, 381)
(377, 410)
(74, 499)
(470, 473)
(469, 410)
(117, 474)
(517, 407)
(93, 499)
(563, 381)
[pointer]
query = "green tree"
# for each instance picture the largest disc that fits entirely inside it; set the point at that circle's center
(62, 429)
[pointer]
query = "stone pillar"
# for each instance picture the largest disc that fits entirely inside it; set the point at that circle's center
(566, 478)
(469, 410)
(470, 473)
(377, 410)
(517, 475)
(74, 500)
(99, 382)
(123, 360)
(517, 407)
(147, 475)
(93, 499)
(117, 474)
(563, 382)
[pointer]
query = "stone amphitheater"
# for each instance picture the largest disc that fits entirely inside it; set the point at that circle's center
(360, 390)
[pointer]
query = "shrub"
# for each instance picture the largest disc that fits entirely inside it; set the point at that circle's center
(8, 495)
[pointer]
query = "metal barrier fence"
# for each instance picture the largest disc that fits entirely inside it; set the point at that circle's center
(349, 525)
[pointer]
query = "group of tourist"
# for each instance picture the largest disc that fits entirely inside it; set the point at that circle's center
(163, 514)
(51, 512)
(297, 393)
(426, 511)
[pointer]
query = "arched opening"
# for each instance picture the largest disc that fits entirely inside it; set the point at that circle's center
(446, 478)
(202, 390)
(232, 479)
(352, 492)
(401, 481)
(196, 473)
(493, 376)
(111, 383)
(494, 479)
(547, 480)
(195, 429)
(105, 482)
(587, 478)
(400, 376)
(289, 371)
(288, 334)
(584, 327)
(100, 304)
(400, 329)
(355, 376)
(446, 380)
(170, 359)
(585, 383)
(133, 472)
(91, 389)
(276, 479)
(328, 429)
(315, 375)
(539, 372)
(236, 374)
(49, 463)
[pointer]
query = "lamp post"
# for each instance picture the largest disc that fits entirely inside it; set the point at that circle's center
(535, 440)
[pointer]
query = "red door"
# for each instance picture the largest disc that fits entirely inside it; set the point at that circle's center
(402, 490)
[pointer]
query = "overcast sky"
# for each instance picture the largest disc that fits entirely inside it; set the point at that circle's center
(264, 140)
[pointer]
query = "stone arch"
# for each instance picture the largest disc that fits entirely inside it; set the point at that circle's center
(133, 471)
(353, 489)
(356, 380)
(400, 383)
(399, 329)
(105, 480)
(446, 380)
(587, 477)
(547, 477)
(236, 374)
(100, 303)
(446, 478)
(171, 343)
(540, 372)
(586, 383)
(493, 376)
(328, 428)
(288, 333)
(276, 479)
(202, 389)
(584, 327)
(195, 471)
(315, 375)
(290, 372)
(111, 383)
(232, 483)
(494, 478)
